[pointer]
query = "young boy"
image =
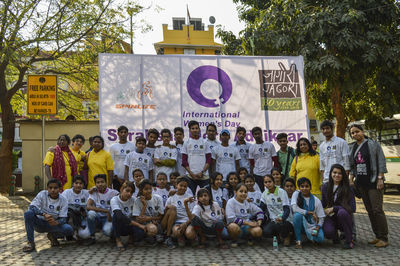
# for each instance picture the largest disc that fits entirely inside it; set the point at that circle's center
(196, 157)
(162, 188)
(99, 209)
(77, 198)
(138, 159)
(118, 152)
(225, 158)
(211, 132)
(285, 155)
(48, 212)
(243, 147)
(179, 134)
(262, 157)
(165, 156)
(137, 178)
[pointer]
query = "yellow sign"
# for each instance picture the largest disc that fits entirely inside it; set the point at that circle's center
(42, 94)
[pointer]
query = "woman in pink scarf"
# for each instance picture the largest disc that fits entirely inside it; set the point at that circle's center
(61, 164)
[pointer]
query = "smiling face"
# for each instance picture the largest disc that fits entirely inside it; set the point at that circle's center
(161, 181)
(137, 177)
(211, 133)
(242, 175)
(172, 180)
(290, 188)
(181, 188)
(194, 131)
(77, 144)
(140, 145)
(218, 181)
(77, 186)
(249, 184)
(357, 134)
(337, 176)
(126, 193)
(241, 194)
(304, 148)
(269, 183)
(204, 199)
(146, 191)
(233, 180)
(305, 189)
(327, 131)
(277, 177)
(62, 142)
(97, 144)
(101, 184)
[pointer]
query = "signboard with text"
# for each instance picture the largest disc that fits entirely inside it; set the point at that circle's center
(42, 94)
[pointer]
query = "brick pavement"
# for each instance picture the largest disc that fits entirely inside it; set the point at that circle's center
(13, 237)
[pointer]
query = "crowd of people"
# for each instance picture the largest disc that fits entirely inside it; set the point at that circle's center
(195, 189)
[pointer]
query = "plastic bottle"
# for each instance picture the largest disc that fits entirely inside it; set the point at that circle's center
(275, 244)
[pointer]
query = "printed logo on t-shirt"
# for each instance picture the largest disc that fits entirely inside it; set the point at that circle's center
(156, 208)
(150, 209)
(122, 151)
(76, 200)
(140, 159)
(202, 147)
(242, 211)
(83, 200)
(178, 149)
(213, 214)
(225, 154)
(149, 154)
(334, 147)
(230, 155)
(164, 196)
(165, 153)
(128, 151)
(145, 160)
(211, 147)
(126, 209)
(257, 201)
(265, 150)
(196, 146)
(248, 211)
(179, 203)
(279, 200)
(251, 199)
(260, 149)
(102, 202)
(58, 208)
(51, 207)
(328, 148)
(241, 150)
(217, 198)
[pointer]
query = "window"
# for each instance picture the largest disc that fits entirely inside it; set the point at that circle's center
(189, 51)
(177, 23)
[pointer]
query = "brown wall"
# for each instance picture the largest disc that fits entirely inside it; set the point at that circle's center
(31, 136)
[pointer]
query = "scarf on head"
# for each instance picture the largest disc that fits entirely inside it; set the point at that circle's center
(310, 207)
(58, 167)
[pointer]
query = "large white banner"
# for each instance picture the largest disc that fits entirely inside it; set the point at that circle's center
(160, 91)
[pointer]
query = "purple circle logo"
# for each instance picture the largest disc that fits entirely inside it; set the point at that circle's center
(203, 73)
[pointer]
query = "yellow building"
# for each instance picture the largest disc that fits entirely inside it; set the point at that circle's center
(188, 39)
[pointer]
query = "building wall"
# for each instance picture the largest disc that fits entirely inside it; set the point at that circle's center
(31, 136)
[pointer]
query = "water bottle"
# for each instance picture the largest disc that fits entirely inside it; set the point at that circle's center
(275, 244)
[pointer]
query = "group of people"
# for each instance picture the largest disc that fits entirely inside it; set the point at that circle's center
(201, 188)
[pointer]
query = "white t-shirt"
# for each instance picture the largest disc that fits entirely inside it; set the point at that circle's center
(218, 196)
(262, 155)
(196, 150)
(179, 168)
(242, 211)
(162, 192)
(126, 207)
(135, 160)
(155, 206)
(149, 152)
(134, 195)
(208, 216)
(55, 207)
(275, 202)
(164, 153)
(118, 153)
(255, 197)
(76, 201)
(319, 210)
(225, 159)
(212, 144)
(178, 201)
(334, 151)
(225, 194)
(103, 200)
(244, 154)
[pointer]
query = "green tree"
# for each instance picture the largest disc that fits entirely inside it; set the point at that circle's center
(53, 36)
(350, 48)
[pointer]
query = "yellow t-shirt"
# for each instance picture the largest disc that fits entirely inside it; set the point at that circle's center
(307, 166)
(81, 162)
(98, 163)
(49, 158)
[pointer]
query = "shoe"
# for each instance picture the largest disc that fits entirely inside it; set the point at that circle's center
(298, 245)
(181, 242)
(53, 240)
(382, 244)
(250, 243)
(373, 242)
(234, 244)
(348, 245)
(169, 243)
(30, 247)
(159, 238)
(286, 241)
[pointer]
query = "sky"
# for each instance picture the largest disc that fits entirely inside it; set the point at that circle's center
(224, 12)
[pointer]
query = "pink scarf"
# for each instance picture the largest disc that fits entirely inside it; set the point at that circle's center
(58, 167)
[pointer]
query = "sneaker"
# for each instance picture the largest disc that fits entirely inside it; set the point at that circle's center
(234, 244)
(382, 244)
(53, 240)
(169, 243)
(159, 238)
(373, 242)
(348, 245)
(181, 242)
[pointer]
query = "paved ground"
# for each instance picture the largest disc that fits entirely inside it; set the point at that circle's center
(13, 237)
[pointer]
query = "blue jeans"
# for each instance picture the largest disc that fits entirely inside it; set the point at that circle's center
(298, 224)
(33, 223)
(122, 227)
(95, 220)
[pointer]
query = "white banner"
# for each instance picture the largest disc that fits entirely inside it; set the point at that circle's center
(160, 91)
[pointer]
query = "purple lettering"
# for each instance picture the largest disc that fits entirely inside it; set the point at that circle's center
(272, 137)
(112, 136)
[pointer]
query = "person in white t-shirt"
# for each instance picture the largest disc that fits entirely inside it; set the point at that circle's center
(216, 190)
(225, 158)
(165, 156)
(137, 178)
(138, 159)
(243, 147)
(122, 207)
(179, 135)
(308, 212)
(262, 157)
(152, 137)
(206, 218)
(47, 212)
(211, 132)
(118, 152)
(162, 189)
(99, 208)
(196, 157)
(242, 173)
(252, 194)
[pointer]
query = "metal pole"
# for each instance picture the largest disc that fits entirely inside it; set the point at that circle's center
(43, 152)
(131, 33)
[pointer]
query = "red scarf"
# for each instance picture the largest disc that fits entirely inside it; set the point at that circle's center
(58, 167)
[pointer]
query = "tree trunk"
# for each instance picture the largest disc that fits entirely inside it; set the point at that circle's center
(338, 111)
(8, 123)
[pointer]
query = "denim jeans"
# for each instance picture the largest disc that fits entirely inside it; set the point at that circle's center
(33, 223)
(95, 220)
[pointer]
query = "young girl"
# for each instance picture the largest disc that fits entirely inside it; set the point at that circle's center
(276, 174)
(47, 213)
(233, 180)
(239, 213)
(99, 209)
(339, 203)
(172, 179)
(178, 216)
(289, 185)
(149, 210)
(162, 188)
(215, 189)
(137, 178)
(252, 195)
(77, 198)
(122, 207)
(242, 174)
(275, 203)
(308, 213)
(206, 217)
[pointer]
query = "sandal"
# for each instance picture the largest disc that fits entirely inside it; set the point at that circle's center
(298, 245)
(53, 240)
(121, 247)
(29, 247)
(223, 246)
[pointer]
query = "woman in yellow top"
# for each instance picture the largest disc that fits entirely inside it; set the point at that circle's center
(77, 143)
(61, 163)
(306, 164)
(99, 161)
